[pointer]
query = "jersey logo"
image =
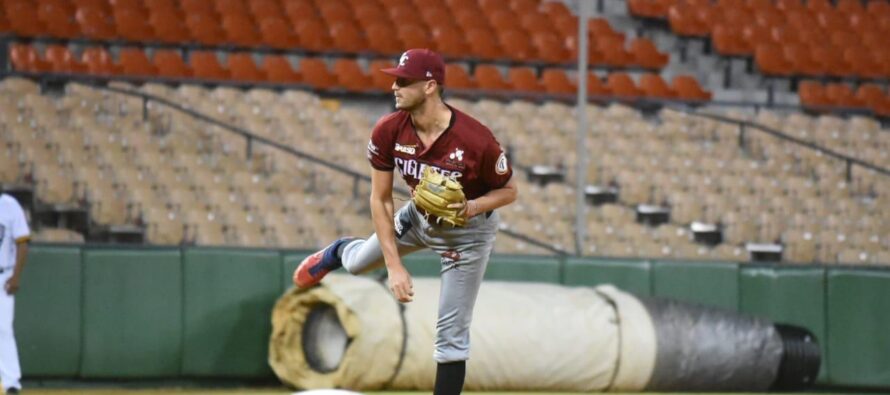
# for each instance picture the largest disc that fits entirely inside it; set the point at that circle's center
(458, 154)
(372, 148)
(501, 166)
(408, 149)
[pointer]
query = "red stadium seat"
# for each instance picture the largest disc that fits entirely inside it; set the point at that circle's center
(242, 68)
(549, 47)
(99, 61)
(132, 25)
(383, 82)
(483, 45)
(840, 94)
(94, 23)
(595, 86)
(523, 78)
(556, 81)
(382, 39)
(315, 73)
(687, 88)
(168, 27)
(25, 58)
(490, 78)
(205, 29)
(26, 21)
(771, 61)
(276, 33)
(654, 86)
(313, 35)
(261, 9)
(240, 30)
(450, 41)
(205, 65)
(350, 76)
(517, 45)
(414, 36)
(62, 60)
(457, 77)
(647, 55)
(170, 64)
(134, 62)
(812, 94)
(620, 84)
(57, 20)
(279, 70)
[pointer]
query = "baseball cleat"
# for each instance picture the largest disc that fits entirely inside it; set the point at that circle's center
(316, 266)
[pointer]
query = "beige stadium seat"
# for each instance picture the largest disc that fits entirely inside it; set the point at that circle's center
(58, 235)
(164, 228)
(10, 170)
(54, 185)
(107, 208)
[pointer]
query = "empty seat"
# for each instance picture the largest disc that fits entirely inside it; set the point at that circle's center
(205, 29)
(206, 65)
(313, 35)
(523, 78)
(315, 73)
(62, 60)
(134, 62)
(457, 77)
(167, 26)
(351, 76)
(647, 55)
(383, 82)
(57, 20)
(240, 30)
(413, 35)
(347, 37)
(517, 45)
(490, 78)
(382, 39)
(98, 61)
(133, 25)
(483, 44)
(170, 64)
(687, 88)
(812, 94)
(841, 95)
(242, 68)
(94, 23)
(620, 84)
(279, 70)
(276, 33)
(654, 86)
(556, 81)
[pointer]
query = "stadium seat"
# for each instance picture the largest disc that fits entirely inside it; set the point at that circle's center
(490, 78)
(522, 78)
(346, 37)
(94, 23)
(457, 77)
(313, 35)
(840, 94)
(198, 7)
(812, 94)
(134, 62)
(170, 64)
(98, 61)
(240, 30)
(653, 86)
(25, 58)
(276, 33)
(382, 39)
(57, 20)
(620, 84)
(450, 41)
(414, 36)
(279, 70)
(383, 82)
(133, 26)
(26, 21)
(231, 7)
(350, 76)
(243, 69)
(205, 29)
(549, 47)
(687, 88)
(646, 55)
(517, 45)
(261, 9)
(62, 60)
(483, 45)
(205, 65)
(315, 73)
(556, 81)
(770, 60)
(167, 26)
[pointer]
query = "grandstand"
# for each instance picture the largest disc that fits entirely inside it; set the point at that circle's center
(795, 156)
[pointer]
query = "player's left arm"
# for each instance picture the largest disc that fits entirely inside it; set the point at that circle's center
(494, 199)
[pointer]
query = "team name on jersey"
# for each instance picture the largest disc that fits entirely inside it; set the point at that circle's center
(408, 149)
(415, 169)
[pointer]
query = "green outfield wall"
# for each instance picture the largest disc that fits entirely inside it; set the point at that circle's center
(153, 313)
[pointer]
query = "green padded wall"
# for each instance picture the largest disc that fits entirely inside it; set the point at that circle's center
(708, 283)
(132, 312)
(787, 294)
(859, 327)
(228, 299)
(629, 275)
(48, 313)
(524, 268)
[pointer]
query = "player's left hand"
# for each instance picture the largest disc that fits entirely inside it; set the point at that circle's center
(12, 285)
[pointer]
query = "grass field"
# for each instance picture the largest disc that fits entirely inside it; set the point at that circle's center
(254, 391)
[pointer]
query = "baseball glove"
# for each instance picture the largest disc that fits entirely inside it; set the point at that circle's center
(435, 192)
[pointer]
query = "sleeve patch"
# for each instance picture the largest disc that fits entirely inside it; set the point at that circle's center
(501, 167)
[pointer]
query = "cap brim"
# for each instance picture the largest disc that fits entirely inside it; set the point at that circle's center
(396, 72)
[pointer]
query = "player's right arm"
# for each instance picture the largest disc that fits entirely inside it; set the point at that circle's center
(382, 213)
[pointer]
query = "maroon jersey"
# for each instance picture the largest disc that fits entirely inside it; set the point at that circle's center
(466, 151)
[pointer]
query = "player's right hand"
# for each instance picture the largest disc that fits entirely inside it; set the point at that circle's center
(401, 285)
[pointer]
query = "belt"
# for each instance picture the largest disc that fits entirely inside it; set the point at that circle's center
(434, 219)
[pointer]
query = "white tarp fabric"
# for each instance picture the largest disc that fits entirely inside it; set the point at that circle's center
(525, 336)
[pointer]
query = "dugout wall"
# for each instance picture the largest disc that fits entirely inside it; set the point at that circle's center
(98, 312)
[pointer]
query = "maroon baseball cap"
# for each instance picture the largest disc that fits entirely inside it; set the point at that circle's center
(419, 64)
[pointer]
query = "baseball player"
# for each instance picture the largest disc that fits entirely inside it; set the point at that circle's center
(427, 134)
(14, 236)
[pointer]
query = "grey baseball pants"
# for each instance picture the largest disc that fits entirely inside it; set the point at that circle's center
(464, 255)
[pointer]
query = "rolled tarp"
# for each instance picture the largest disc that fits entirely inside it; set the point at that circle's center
(350, 333)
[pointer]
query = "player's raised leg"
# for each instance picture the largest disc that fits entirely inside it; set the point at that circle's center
(358, 255)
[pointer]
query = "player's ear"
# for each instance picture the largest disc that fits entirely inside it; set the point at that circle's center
(431, 87)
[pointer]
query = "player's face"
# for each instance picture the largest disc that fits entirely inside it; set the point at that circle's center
(409, 93)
